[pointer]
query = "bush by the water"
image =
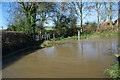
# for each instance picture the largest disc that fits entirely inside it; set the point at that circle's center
(12, 41)
(50, 43)
(113, 71)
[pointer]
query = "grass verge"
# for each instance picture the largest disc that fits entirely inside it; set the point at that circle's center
(113, 71)
(50, 43)
(92, 35)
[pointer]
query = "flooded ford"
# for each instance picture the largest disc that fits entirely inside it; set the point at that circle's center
(76, 59)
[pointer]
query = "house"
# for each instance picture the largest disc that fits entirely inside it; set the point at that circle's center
(108, 23)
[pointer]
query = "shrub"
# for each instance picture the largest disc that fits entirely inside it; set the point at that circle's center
(90, 28)
(12, 41)
(50, 43)
(113, 71)
(108, 28)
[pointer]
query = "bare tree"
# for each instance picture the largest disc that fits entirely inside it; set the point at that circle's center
(98, 8)
(109, 9)
(83, 10)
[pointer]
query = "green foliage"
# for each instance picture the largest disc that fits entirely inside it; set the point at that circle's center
(31, 16)
(89, 28)
(84, 36)
(18, 26)
(117, 55)
(68, 38)
(11, 28)
(50, 43)
(25, 19)
(113, 71)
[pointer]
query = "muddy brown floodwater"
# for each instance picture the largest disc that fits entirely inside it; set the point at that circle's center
(77, 59)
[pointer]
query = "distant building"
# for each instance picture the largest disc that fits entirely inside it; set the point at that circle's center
(108, 23)
(113, 23)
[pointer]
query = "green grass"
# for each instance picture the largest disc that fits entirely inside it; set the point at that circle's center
(84, 36)
(68, 38)
(113, 71)
(50, 43)
(107, 33)
(49, 28)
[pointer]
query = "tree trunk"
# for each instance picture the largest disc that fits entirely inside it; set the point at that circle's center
(34, 21)
(28, 27)
(98, 17)
(111, 13)
(81, 16)
(98, 27)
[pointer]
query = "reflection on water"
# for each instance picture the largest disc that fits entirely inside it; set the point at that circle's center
(80, 59)
(48, 51)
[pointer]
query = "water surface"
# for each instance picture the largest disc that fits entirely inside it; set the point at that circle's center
(77, 59)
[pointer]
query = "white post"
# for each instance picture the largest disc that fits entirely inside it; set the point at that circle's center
(78, 34)
(53, 36)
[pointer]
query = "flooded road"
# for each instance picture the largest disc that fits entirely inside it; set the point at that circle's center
(77, 59)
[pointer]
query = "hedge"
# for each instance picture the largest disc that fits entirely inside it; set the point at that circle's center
(12, 41)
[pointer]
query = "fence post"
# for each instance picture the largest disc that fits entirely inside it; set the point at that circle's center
(78, 34)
